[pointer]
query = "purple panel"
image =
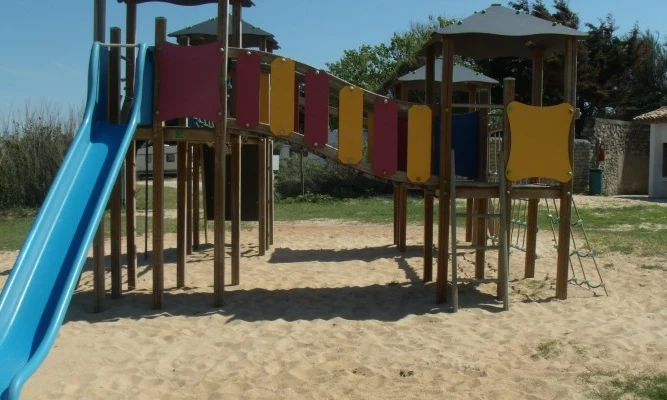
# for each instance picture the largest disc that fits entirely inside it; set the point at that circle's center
(385, 141)
(247, 89)
(317, 109)
(188, 81)
(402, 144)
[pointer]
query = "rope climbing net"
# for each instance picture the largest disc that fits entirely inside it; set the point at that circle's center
(581, 253)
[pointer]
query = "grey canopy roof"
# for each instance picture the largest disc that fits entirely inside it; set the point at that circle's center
(502, 32)
(252, 35)
(461, 75)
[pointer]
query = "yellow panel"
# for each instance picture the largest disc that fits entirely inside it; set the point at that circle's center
(282, 97)
(371, 137)
(420, 126)
(264, 88)
(350, 125)
(539, 146)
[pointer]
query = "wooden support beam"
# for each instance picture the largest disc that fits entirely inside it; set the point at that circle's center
(445, 173)
(395, 195)
(220, 162)
(262, 197)
(483, 203)
(531, 217)
(269, 193)
(130, 158)
(509, 93)
(565, 214)
(195, 195)
(189, 201)
(272, 197)
(428, 235)
(472, 100)
(181, 211)
(403, 218)
(236, 207)
(117, 193)
(158, 180)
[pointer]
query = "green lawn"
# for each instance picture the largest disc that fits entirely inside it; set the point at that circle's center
(639, 230)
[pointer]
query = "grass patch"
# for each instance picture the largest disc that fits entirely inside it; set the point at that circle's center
(653, 267)
(169, 196)
(646, 386)
(549, 349)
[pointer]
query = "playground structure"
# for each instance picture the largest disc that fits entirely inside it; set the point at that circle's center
(421, 146)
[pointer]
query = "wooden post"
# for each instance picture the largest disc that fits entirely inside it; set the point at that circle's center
(271, 217)
(220, 161)
(565, 214)
(403, 218)
(181, 211)
(509, 91)
(117, 194)
(531, 228)
(269, 192)
(429, 87)
(195, 195)
(262, 196)
(472, 100)
(188, 196)
(396, 219)
(130, 158)
(445, 173)
(236, 207)
(99, 33)
(236, 146)
(482, 206)
(158, 179)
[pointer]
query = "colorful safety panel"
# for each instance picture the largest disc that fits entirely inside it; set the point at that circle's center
(188, 77)
(539, 142)
(316, 124)
(350, 125)
(264, 98)
(247, 84)
(282, 96)
(371, 137)
(465, 143)
(385, 161)
(420, 120)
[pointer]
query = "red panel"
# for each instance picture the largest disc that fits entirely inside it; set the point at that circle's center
(402, 144)
(247, 89)
(317, 109)
(189, 79)
(385, 142)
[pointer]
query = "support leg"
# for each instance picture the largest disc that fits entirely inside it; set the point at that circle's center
(428, 236)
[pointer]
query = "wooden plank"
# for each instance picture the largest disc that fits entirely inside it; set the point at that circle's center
(181, 211)
(236, 208)
(445, 173)
(188, 202)
(117, 193)
(262, 197)
(130, 158)
(420, 132)
(385, 128)
(282, 97)
(428, 235)
(316, 110)
(350, 125)
(196, 168)
(220, 163)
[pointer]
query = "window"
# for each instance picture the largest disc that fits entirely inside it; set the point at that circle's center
(171, 157)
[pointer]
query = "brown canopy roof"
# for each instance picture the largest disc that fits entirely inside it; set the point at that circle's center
(655, 116)
(502, 32)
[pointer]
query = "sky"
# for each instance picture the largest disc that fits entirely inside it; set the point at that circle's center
(45, 50)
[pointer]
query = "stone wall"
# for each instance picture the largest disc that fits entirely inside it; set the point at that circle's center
(583, 152)
(626, 162)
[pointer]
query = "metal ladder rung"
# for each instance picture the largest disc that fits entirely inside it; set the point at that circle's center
(478, 215)
(477, 247)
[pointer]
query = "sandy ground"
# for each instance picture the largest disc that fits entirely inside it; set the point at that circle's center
(334, 311)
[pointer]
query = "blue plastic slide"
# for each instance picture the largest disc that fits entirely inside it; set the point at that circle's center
(35, 298)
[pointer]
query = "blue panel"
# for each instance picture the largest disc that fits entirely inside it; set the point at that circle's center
(465, 142)
(146, 111)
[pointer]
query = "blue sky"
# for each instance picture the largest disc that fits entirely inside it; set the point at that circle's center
(45, 49)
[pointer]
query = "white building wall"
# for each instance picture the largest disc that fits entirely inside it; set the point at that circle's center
(657, 184)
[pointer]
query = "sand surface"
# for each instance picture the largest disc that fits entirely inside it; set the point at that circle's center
(334, 311)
